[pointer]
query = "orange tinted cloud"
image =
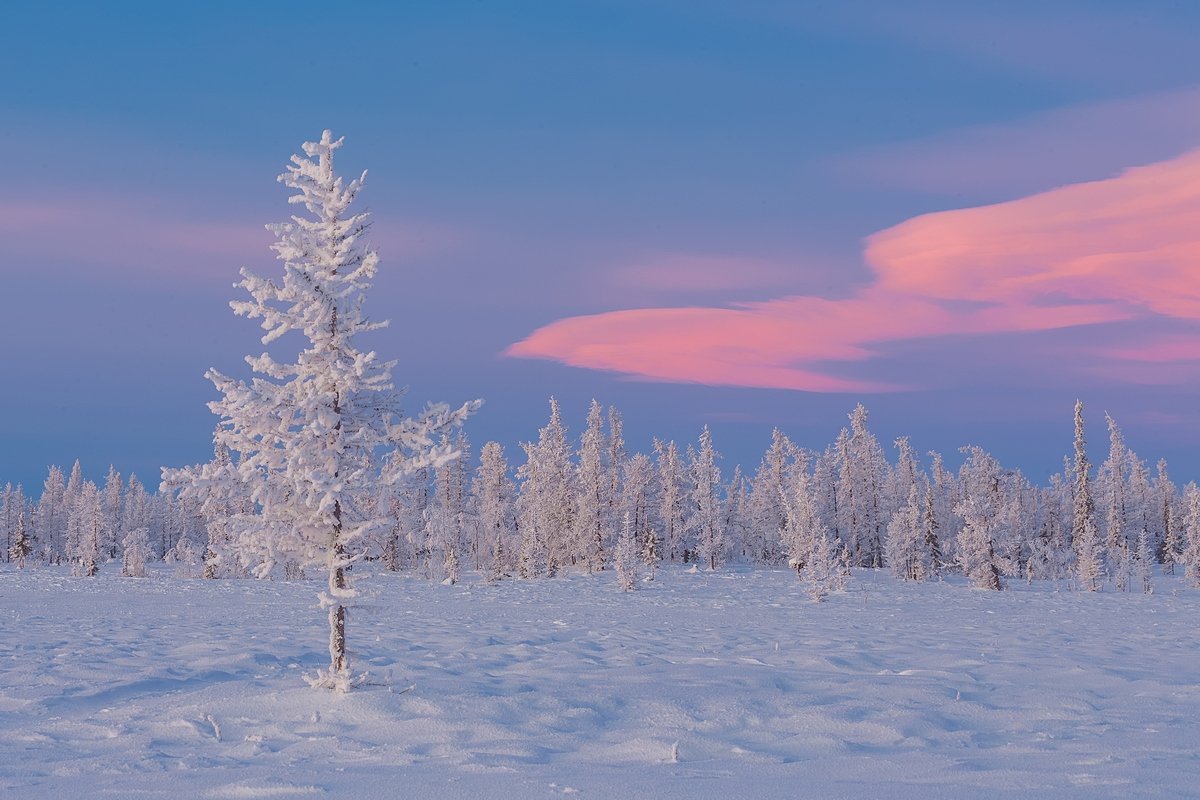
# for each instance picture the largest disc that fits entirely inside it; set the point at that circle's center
(1122, 248)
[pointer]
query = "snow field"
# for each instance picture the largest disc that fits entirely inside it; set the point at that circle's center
(727, 684)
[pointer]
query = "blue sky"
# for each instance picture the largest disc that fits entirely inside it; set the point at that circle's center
(534, 164)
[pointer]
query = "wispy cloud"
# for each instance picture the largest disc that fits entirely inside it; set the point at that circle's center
(1123, 248)
(1082, 142)
(134, 235)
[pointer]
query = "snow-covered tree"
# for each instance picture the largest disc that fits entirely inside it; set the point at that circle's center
(906, 546)
(493, 493)
(85, 529)
(313, 434)
(912, 530)
(825, 571)
(1170, 543)
(111, 497)
(12, 512)
(1085, 536)
(803, 526)
(408, 510)
(1113, 487)
(638, 503)
(592, 485)
(137, 510)
(930, 532)
(21, 547)
(706, 522)
(1143, 570)
(614, 470)
(1191, 533)
(944, 488)
(737, 499)
(447, 518)
(1089, 557)
(671, 496)
(135, 547)
(218, 493)
(546, 503)
(860, 482)
(625, 555)
(766, 510)
(51, 528)
(982, 509)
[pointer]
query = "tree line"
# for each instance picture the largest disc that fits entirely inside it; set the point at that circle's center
(588, 505)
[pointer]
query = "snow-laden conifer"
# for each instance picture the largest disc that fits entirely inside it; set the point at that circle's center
(906, 547)
(766, 513)
(137, 510)
(85, 529)
(111, 498)
(825, 571)
(21, 547)
(734, 520)
(1114, 489)
(135, 552)
(706, 522)
(671, 496)
(625, 555)
(313, 434)
(1191, 533)
(862, 478)
(1144, 563)
(1170, 544)
(592, 484)
(931, 533)
(614, 471)
(546, 506)
(944, 490)
(51, 517)
(803, 526)
(638, 488)
(219, 494)
(1089, 557)
(982, 509)
(493, 495)
(12, 511)
(448, 515)
(1084, 530)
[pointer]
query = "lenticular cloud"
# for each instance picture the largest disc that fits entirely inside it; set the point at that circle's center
(1122, 248)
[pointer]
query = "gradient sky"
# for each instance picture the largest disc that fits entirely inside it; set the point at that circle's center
(746, 214)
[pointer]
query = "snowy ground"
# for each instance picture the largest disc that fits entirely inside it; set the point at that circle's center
(185, 688)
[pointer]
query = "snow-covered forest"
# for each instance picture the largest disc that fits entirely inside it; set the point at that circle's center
(585, 504)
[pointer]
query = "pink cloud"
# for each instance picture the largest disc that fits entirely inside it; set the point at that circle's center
(1118, 249)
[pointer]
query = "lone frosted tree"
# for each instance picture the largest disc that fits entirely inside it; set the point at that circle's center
(316, 433)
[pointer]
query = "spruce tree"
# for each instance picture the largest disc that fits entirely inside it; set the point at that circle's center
(546, 504)
(314, 434)
(1084, 534)
(493, 494)
(706, 522)
(21, 547)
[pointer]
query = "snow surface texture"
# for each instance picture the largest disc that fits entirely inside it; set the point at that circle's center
(728, 684)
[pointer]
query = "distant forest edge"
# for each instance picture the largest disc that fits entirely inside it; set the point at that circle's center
(591, 506)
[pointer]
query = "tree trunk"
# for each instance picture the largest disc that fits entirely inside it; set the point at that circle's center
(338, 666)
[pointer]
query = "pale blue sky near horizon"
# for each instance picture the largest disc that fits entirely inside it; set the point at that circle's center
(535, 161)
